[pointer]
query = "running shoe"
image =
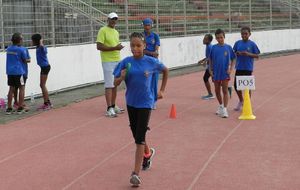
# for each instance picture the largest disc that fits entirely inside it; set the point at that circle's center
(220, 110)
(135, 180)
(118, 110)
(147, 162)
(225, 113)
(111, 113)
(238, 106)
(9, 111)
(208, 97)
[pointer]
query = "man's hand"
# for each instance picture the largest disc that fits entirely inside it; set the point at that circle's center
(119, 47)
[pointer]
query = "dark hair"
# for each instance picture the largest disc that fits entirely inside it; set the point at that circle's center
(137, 35)
(220, 31)
(246, 28)
(209, 36)
(36, 38)
(16, 38)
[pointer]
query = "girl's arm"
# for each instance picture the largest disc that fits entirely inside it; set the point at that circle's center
(165, 73)
(252, 55)
(230, 69)
(118, 80)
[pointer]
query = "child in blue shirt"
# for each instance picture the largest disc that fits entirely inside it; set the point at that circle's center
(246, 50)
(42, 61)
(207, 41)
(222, 63)
(152, 47)
(138, 71)
(15, 58)
(25, 67)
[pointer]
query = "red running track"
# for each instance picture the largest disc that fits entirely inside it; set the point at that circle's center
(77, 148)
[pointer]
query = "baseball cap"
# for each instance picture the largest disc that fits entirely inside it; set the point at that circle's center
(147, 21)
(112, 15)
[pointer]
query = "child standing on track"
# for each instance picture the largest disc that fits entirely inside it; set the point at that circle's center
(138, 71)
(222, 63)
(207, 41)
(246, 50)
(152, 47)
(15, 56)
(42, 61)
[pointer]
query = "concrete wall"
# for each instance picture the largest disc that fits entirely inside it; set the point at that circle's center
(78, 65)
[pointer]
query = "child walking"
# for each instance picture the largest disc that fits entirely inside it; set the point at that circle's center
(222, 63)
(207, 41)
(246, 50)
(42, 61)
(138, 71)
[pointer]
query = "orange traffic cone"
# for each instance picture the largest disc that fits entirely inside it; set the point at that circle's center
(247, 108)
(173, 112)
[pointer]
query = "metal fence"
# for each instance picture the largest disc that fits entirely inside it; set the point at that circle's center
(66, 22)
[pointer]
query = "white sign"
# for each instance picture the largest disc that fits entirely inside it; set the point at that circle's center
(245, 82)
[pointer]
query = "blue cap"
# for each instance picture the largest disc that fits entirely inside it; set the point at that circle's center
(147, 21)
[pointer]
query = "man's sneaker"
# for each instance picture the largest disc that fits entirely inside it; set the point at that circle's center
(238, 106)
(9, 111)
(208, 97)
(135, 180)
(118, 110)
(21, 110)
(111, 113)
(147, 162)
(225, 113)
(220, 110)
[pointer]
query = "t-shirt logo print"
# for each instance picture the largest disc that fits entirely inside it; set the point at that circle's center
(153, 41)
(248, 48)
(225, 53)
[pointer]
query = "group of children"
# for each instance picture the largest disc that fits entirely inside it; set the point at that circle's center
(139, 71)
(220, 59)
(17, 59)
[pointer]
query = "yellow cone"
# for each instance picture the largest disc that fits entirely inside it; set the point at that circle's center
(247, 108)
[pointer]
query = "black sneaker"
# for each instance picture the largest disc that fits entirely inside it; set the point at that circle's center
(9, 111)
(147, 162)
(21, 110)
(135, 180)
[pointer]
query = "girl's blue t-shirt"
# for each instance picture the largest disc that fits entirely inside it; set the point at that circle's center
(245, 62)
(139, 79)
(41, 56)
(14, 60)
(221, 57)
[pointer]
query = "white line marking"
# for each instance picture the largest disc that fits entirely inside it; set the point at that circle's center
(212, 156)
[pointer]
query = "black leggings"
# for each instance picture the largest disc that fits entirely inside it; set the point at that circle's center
(206, 76)
(241, 73)
(139, 119)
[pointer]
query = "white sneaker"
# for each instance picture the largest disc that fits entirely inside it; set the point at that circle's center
(219, 110)
(225, 113)
(111, 113)
(118, 110)
(238, 106)
(135, 180)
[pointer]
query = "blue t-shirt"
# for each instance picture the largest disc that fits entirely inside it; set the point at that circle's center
(25, 65)
(152, 40)
(245, 62)
(139, 91)
(41, 56)
(207, 53)
(221, 57)
(15, 57)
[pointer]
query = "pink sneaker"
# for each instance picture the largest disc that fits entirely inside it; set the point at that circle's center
(44, 107)
(16, 105)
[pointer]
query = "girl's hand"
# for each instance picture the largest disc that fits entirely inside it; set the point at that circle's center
(160, 95)
(229, 72)
(123, 74)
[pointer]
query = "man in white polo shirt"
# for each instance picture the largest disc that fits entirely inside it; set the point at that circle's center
(109, 45)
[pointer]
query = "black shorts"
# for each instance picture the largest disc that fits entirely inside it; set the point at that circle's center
(16, 80)
(139, 119)
(45, 70)
(241, 73)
